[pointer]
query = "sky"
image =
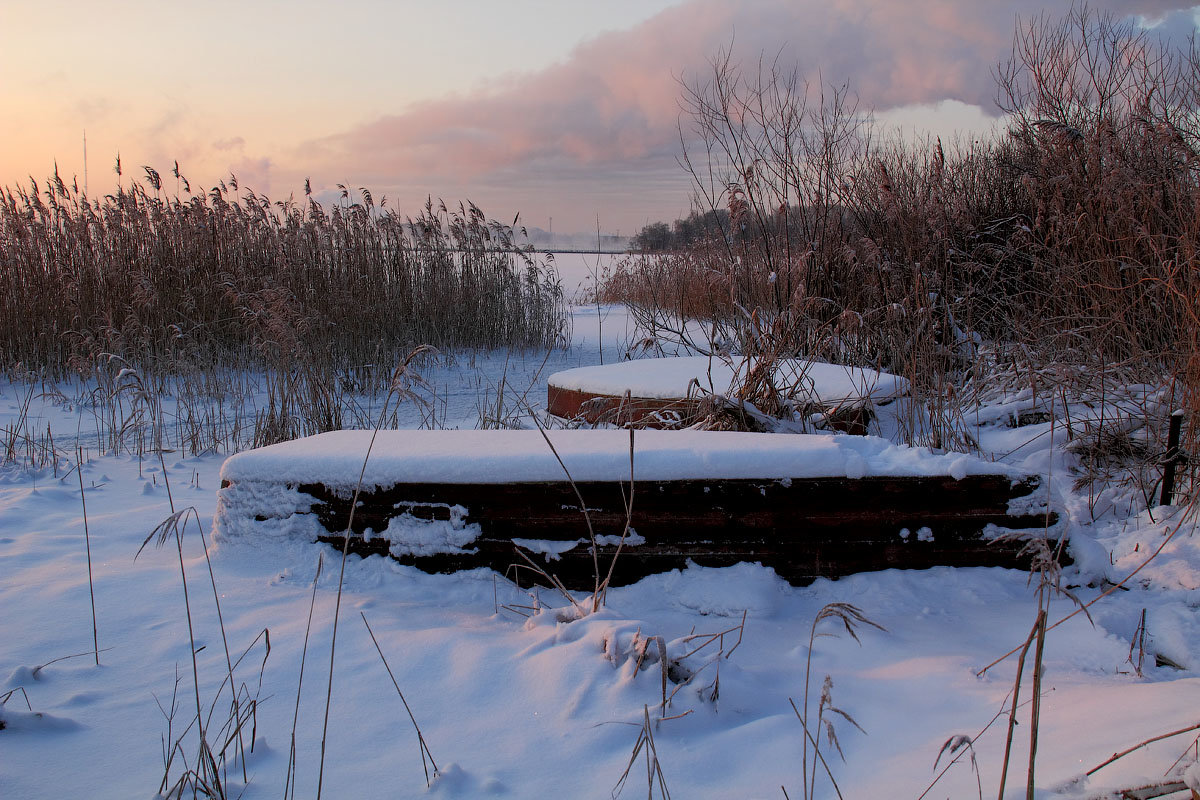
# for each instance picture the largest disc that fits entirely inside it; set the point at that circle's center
(562, 110)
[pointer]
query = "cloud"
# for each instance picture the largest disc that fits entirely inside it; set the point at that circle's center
(614, 100)
(1155, 9)
(1175, 26)
(253, 173)
(232, 143)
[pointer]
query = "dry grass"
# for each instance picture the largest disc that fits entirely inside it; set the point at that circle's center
(654, 772)
(220, 737)
(139, 297)
(1070, 238)
(176, 284)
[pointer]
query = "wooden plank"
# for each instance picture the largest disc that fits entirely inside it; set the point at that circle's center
(675, 507)
(803, 528)
(828, 559)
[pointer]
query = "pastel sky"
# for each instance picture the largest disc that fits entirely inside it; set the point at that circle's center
(563, 109)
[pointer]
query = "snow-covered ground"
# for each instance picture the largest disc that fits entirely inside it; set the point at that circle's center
(531, 706)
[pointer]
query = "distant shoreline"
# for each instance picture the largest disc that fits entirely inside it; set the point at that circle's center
(585, 252)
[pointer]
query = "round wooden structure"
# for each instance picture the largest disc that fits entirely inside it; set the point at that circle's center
(666, 392)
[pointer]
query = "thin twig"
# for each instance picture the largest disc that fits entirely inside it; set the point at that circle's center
(87, 539)
(1084, 607)
(1139, 745)
(420, 737)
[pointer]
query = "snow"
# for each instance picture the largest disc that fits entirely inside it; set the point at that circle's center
(410, 535)
(665, 378)
(503, 456)
(534, 706)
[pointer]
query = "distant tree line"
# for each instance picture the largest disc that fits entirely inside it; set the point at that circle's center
(701, 226)
(659, 237)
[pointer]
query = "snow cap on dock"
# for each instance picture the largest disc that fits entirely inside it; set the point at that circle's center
(522, 456)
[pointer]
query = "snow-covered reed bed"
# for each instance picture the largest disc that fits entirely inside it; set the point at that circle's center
(115, 407)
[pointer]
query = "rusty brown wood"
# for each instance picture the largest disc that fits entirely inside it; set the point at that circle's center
(803, 528)
(649, 412)
(595, 407)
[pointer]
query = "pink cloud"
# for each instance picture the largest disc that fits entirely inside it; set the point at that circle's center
(232, 143)
(615, 100)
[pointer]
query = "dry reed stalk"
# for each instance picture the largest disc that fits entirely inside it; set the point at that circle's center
(851, 619)
(654, 772)
(87, 539)
(603, 588)
(808, 737)
(398, 389)
(1038, 627)
(1117, 756)
(961, 752)
(1035, 713)
(424, 747)
(290, 779)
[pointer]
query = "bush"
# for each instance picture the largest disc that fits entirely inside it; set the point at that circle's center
(1069, 238)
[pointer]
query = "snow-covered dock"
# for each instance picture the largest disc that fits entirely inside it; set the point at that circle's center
(809, 506)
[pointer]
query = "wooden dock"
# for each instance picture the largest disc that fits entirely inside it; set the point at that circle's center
(803, 525)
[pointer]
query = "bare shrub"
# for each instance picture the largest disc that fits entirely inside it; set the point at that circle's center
(1069, 238)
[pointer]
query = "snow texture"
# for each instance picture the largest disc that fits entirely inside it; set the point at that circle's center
(826, 384)
(507, 456)
(519, 706)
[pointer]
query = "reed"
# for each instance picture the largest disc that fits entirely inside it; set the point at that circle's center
(204, 301)
(1069, 238)
(655, 779)
(177, 284)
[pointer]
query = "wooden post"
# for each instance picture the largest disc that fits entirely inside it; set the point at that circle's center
(1172, 458)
